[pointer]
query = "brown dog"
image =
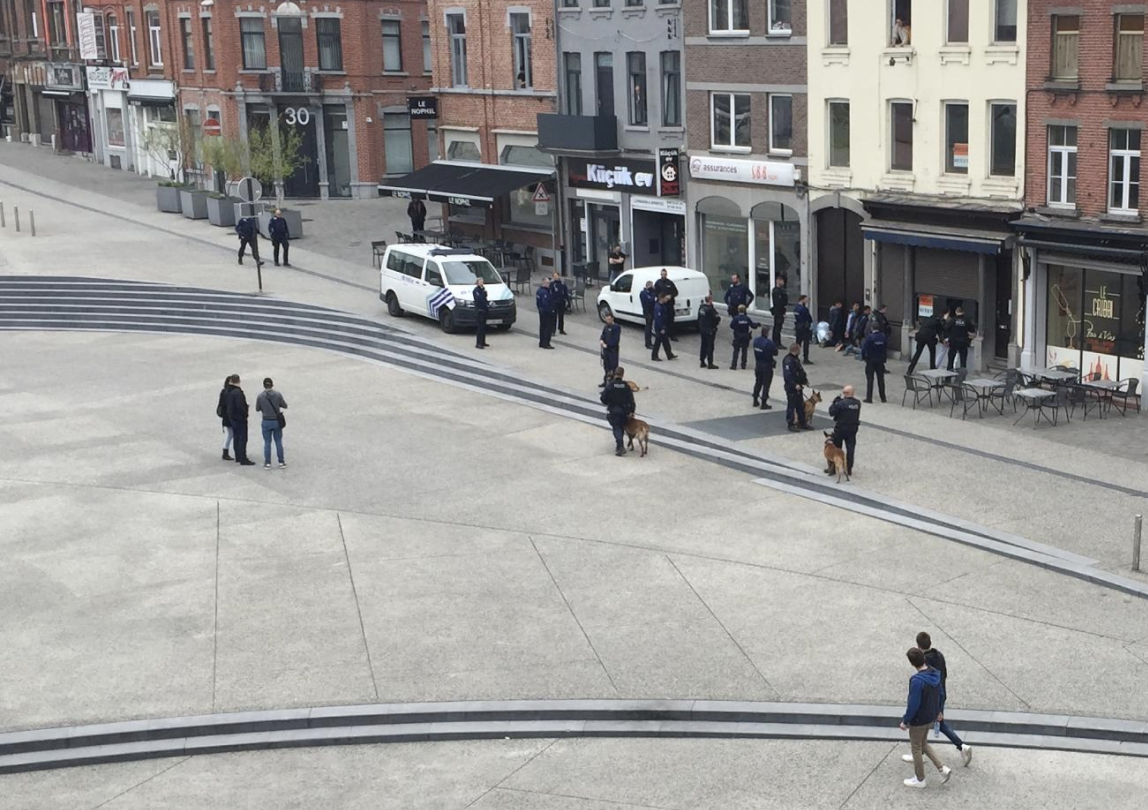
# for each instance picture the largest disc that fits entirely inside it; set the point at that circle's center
(834, 458)
(811, 406)
(636, 428)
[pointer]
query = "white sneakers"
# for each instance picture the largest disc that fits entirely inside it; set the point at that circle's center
(966, 754)
(906, 757)
(914, 783)
(946, 772)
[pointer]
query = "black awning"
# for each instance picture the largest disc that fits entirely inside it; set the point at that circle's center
(461, 183)
(934, 236)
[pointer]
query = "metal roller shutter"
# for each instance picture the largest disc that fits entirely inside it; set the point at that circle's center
(947, 272)
(891, 290)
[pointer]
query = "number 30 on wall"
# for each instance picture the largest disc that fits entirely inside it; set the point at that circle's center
(297, 115)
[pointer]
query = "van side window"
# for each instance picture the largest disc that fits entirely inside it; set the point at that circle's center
(413, 267)
(395, 261)
(623, 284)
(433, 275)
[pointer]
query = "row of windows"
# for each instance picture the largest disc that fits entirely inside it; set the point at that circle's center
(108, 35)
(1123, 168)
(730, 122)
(610, 3)
(636, 83)
(1127, 47)
(521, 43)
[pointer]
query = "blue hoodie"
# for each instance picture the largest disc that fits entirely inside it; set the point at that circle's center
(926, 698)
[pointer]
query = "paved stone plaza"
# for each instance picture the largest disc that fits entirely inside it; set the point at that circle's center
(453, 526)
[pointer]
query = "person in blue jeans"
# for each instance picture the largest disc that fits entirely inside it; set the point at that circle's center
(271, 404)
(936, 660)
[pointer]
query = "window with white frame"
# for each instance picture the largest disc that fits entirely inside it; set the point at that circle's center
(781, 124)
(1002, 139)
(523, 64)
(1123, 170)
(392, 46)
(1128, 55)
(730, 121)
(956, 137)
(838, 22)
(1062, 166)
(1065, 46)
(901, 136)
(130, 15)
(1004, 30)
(636, 71)
(838, 117)
(729, 16)
(456, 30)
(428, 54)
(671, 89)
(780, 16)
(154, 38)
(114, 37)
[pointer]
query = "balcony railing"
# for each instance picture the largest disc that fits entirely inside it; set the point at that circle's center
(285, 81)
(578, 133)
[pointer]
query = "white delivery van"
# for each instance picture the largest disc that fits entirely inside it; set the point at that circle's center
(622, 297)
(438, 283)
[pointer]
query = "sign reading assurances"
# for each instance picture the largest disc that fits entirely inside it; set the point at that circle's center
(613, 174)
(759, 172)
(422, 106)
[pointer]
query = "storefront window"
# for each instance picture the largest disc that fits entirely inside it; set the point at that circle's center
(115, 120)
(725, 250)
(524, 211)
(1095, 322)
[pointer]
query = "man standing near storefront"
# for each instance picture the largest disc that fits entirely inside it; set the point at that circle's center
(664, 287)
(545, 304)
(874, 352)
(926, 337)
(961, 331)
(617, 262)
(764, 361)
(803, 323)
(662, 323)
(779, 300)
(736, 295)
(418, 214)
(560, 297)
(649, 300)
(708, 320)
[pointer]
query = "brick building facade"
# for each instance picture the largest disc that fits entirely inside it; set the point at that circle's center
(1083, 235)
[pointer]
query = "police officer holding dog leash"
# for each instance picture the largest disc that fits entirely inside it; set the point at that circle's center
(846, 413)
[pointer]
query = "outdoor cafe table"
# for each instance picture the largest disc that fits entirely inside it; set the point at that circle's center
(1032, 399)
(1104, 389)
(984, 388)
(1056, 375)
(936, 378)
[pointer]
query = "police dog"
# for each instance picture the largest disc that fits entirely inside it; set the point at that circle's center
(811, 406)
(834, 458)
(636, 428)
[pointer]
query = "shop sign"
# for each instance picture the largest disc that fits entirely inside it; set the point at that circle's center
(422, 107)
(960, 156)
(659, 204)
(64, 77)
(669, 182)
(108, 78)
(86, 27)
(152, 90)
(924, 306)
(759, 172)
(33, 73)
(634, 176)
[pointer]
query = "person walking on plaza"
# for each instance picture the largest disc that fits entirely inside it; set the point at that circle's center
(248, 230)
(619, 402)
(845, 411)
(742, 328)
(936, 660)
(280, 238)
(649, 300)
(610, 342)
(793, 375)
(836, 324)
(237, 411)
(926, 338)
(418, 214)
(708, 320)
(961, 331)
(921, 711)
(664, 286)
(874, 352)
(617, 262)
(221, 412)
(560, 297)
(803, 324)
(779, 300)
(662, 324)
(545, 303)
(736, 295)
(764, 361)
(481, 312)
(272, 404)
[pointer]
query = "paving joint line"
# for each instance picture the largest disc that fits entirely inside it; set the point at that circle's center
(141, 783)
(215, 624)
(498, 784)
(358, 609)
(868, 776)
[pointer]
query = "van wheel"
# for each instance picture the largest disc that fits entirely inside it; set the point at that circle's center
(393, 308)
(446, 321)
(603, 311)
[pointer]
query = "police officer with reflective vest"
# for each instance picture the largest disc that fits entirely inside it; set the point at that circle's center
(481, 310)
(846, 413)
(793, 374)
(649, 300)
(742, 328)
(619, 402)
(609, 342)
(764, 361)
(545, 304)
(874, 352)
(736, 295)
(708, 320)
(803, 323)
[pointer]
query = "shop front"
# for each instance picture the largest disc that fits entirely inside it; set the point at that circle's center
(749, 221)
(151, 108)
(108, 98)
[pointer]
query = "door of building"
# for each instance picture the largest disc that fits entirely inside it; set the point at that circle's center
(1003, 335)
(304, 181)
(605, 232)
(840, 259)
(74, 127)
(291, 54)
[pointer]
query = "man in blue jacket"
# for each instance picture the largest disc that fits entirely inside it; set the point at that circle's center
(742, 327)
(764, 361)
(922, 710)
(545, 304)
(737, 294)
(936, 659)
(874, 353)
(662, 324)
(649, 300)
(803, 323)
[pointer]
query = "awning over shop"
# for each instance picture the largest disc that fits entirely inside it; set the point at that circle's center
(470, 184)
(935, 236)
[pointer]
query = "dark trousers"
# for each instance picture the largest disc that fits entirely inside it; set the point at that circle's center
(617, 419)
(545, 328)
(480, 328)
(739, 347)
(662, 341)
(609, 362)
(932, 344)
(762, 379)
(707, 355)
(254, 243)
(794, 408)
(962, 351)
(804, 337)
(944, 729)
(649, 330)
(670, 320)
(417, 225)
(848, 437)
(239, 433)
(778, 322)
(286, 245)
(878, 369)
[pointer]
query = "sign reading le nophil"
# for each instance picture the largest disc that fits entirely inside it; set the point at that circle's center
(613, 174)
(422, 106)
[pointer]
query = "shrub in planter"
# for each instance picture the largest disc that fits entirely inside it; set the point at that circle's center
(194, 203)
(221, 210)
(167, 196)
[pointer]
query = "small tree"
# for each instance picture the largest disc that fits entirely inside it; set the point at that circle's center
(174, 146)
(226, 156)
(274, 159)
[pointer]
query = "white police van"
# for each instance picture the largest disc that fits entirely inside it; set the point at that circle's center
(438, 283)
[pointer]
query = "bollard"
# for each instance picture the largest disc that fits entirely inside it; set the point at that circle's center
(32, 220)
(2, 225)
(1136, 543)
(16, 216)
(259, 274)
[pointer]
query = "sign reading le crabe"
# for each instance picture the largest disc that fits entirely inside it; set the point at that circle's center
(613, 174)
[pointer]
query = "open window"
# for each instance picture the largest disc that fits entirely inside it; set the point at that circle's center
(900, 22)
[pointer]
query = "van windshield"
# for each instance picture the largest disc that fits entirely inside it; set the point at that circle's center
(467, 272)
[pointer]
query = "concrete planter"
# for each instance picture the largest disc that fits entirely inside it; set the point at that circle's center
(294, 222)
(167, 199)
(221, 211)
(193, 202)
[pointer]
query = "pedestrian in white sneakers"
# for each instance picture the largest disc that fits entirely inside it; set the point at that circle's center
(936, 660)
(922, 710)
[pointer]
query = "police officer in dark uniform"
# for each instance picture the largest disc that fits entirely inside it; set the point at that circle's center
(874, 351)
(881, 318)
(764, 361)
(619, 402)
(481, 310)
(545, 304)
(926, 337)
(742, 328)
(649, 300)
(793, 374)
(609, 342)
(803, 323)
(708, 320)
(663, 311)
(779, 300)
(560, 298)
(665, 286)
(961, 330)
(846, 413)
(736, 295)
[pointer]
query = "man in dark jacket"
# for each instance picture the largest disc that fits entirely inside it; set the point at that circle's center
(836, 323)
(779, 300)
(764, 361)
(936, 660)
(736, 295)
(481, 312)
(874, 353)
(850, 322)
(662, 323)
(803, 324)
(742, 328)
(708, 320)
(248, 231)
(619, 402)
(280, 238)
(609, 342)
(860, 331)
(545, 304)
(793, 375)
(237, 411)
(845, 411)
(881, 320)
(921, 711)
(560, 297)
(418, 214)
(649, 300)
(961, 331)
(926, 337)
(666, 287)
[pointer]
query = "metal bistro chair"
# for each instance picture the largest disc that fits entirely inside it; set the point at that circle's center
(953, 384)
(1081, 396)
(521, 279)
(1126, 393)
(966, 396)
(378, 249)
(919, 388)
(1056, 404)
(578, 297)
(403, 238)
(1007, 394)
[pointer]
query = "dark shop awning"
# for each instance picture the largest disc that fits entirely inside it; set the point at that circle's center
(935, 236)
(462, 183)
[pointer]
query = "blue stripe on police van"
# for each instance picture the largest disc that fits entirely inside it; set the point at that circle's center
(438, 301)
